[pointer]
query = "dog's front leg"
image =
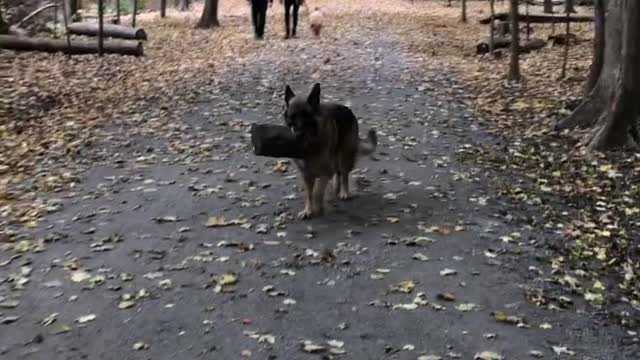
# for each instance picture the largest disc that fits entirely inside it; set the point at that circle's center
(309, 182)
(319, 190)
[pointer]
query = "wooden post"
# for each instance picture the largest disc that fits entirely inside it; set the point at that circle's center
(135, 10)
(163, 8)
(101, 26)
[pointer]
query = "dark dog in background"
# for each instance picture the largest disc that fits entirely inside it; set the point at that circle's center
(329, 134)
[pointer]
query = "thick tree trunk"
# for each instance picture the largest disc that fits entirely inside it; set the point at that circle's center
(514, 68)
(110, 30)
(598, 46)
(23, 43)
(592, 107)
(548, 6)
(619, 120)
(209, 17)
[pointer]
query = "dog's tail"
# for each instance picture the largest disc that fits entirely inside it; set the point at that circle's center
(368, 146)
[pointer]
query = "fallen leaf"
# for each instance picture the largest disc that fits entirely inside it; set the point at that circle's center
(487, 355)
(86, 318)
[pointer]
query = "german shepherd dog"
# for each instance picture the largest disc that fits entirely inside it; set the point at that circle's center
(329, 135)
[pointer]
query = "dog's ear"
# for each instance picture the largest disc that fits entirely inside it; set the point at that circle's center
(314, 96)
(288, 94)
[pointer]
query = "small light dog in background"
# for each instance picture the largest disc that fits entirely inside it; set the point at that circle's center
(315, 21)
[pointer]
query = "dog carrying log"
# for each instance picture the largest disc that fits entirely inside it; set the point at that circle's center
(275, 141)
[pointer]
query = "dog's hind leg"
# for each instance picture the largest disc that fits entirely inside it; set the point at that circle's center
(309, 182)
(346, 164)
(336, 184)
(319, 189)
(344, 193)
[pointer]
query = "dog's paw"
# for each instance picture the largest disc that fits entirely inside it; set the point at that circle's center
(344, 196)
(305, 214)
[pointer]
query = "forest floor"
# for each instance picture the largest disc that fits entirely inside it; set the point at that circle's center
(136, 223)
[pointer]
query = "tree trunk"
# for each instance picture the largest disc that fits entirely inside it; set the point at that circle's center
(101, 27)
(548, 6)
(598, 46)
(209, 17)
(24, 43)
(4, 27)
(491, 35)
(135, 12)
(163, 8)
(117, 11)
(514, 68)
(184, 5)
(110, 30)
(620, 117)
(565, 58)
(592, 107)
(568, 6)
(464, 11)
(74, 6)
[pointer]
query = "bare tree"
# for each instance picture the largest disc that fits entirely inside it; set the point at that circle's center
(209, 17)
(163, 8)
(514, 68)
(613, 104)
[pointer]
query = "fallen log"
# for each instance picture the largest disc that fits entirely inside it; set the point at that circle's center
(541, 19)
(24, 43)
(501, 43)
(110, 30)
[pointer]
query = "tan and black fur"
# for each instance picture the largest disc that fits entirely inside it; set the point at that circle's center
(329, 134)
